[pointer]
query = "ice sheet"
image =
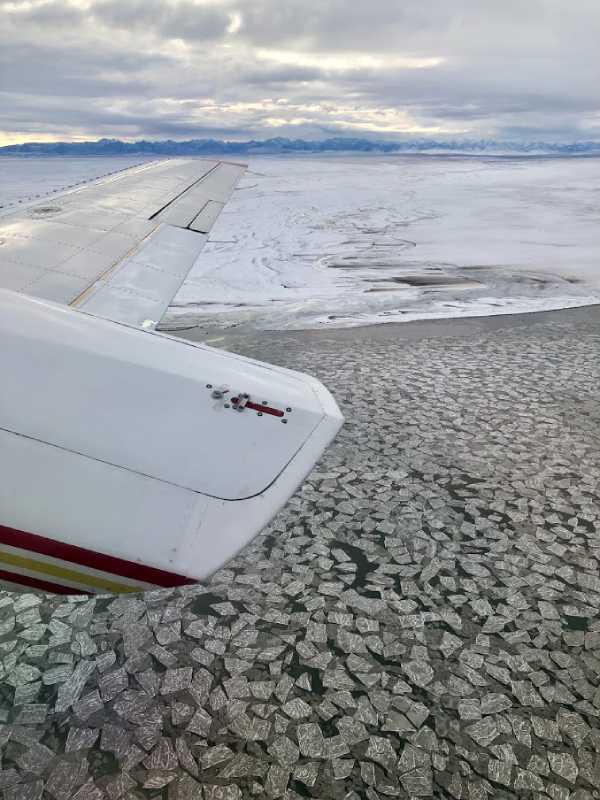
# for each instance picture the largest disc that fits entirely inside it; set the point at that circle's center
(310, 242)
(314, 242)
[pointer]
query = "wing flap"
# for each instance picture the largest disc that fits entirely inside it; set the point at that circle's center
(139, 289)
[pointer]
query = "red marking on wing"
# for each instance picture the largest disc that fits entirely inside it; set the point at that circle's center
(276, 412)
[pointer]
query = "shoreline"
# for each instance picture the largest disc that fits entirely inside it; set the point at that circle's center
(448, 327)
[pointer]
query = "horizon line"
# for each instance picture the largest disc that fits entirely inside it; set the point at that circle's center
(278, 144)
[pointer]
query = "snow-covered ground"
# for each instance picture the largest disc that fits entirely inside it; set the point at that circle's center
(312, 241)
(25, 178)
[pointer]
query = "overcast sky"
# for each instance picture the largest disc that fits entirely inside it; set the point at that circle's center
(237, 69)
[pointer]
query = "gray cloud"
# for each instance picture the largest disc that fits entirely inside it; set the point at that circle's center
(186, 20)
(77, 72)
(239, 68)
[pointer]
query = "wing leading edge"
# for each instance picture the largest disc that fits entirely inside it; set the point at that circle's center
(121, 247)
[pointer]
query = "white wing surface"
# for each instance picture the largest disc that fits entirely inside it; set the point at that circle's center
(120, 247)
(130, 458)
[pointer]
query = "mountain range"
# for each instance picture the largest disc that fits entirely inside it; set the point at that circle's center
(279, 145)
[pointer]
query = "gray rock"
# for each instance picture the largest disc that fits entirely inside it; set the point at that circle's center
(243, 766)
(296, 708)
(89, 791)
(187, 788)
(88, 705)
(352, 730)
(35, 759)
(276, 781)
(418, 783)
(381, 752)
(31, 790)
(563, 765)
(500, 771)
(215, 755)
(546, 729)
(81, 739)
(284, 751)
(230, 792)
(176, 680)
(251, 729)
(469, 709)
(573, 726)
(70, 691)
(162, 757)
(528, 781)
(493, 703)
(307, 773)
(200, 723)
(419, 673)
(396, 722)
(483, 732)
(526, 694)
(310, 740)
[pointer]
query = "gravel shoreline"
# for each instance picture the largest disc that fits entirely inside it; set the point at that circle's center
(423, 619)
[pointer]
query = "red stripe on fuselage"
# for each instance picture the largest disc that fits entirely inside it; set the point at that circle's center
(88, 558)
(36, 583)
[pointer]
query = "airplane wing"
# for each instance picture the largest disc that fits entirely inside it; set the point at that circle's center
(131, 458)
(120, 247)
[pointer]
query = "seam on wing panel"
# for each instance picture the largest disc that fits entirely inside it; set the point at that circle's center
(17, 207)
(201, 178)
(120, 260)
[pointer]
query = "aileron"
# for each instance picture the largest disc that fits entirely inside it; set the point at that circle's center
(214, 187)
(204, 221)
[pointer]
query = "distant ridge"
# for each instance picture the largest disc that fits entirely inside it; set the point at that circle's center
(277, 145)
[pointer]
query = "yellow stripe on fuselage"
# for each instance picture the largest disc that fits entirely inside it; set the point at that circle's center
(63, 573)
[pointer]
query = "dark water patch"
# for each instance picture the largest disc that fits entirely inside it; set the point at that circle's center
(208, 303)
(383, 289)
(298, 787)
(437, 279)
(575, 623)
(367, 264)
(433, 280)
(268, 545)
(357, 555)
(202, 603)
(45, 211)
(529, 279)
(295, 669)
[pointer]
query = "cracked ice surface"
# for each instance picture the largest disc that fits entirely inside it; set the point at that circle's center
(423, 619)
